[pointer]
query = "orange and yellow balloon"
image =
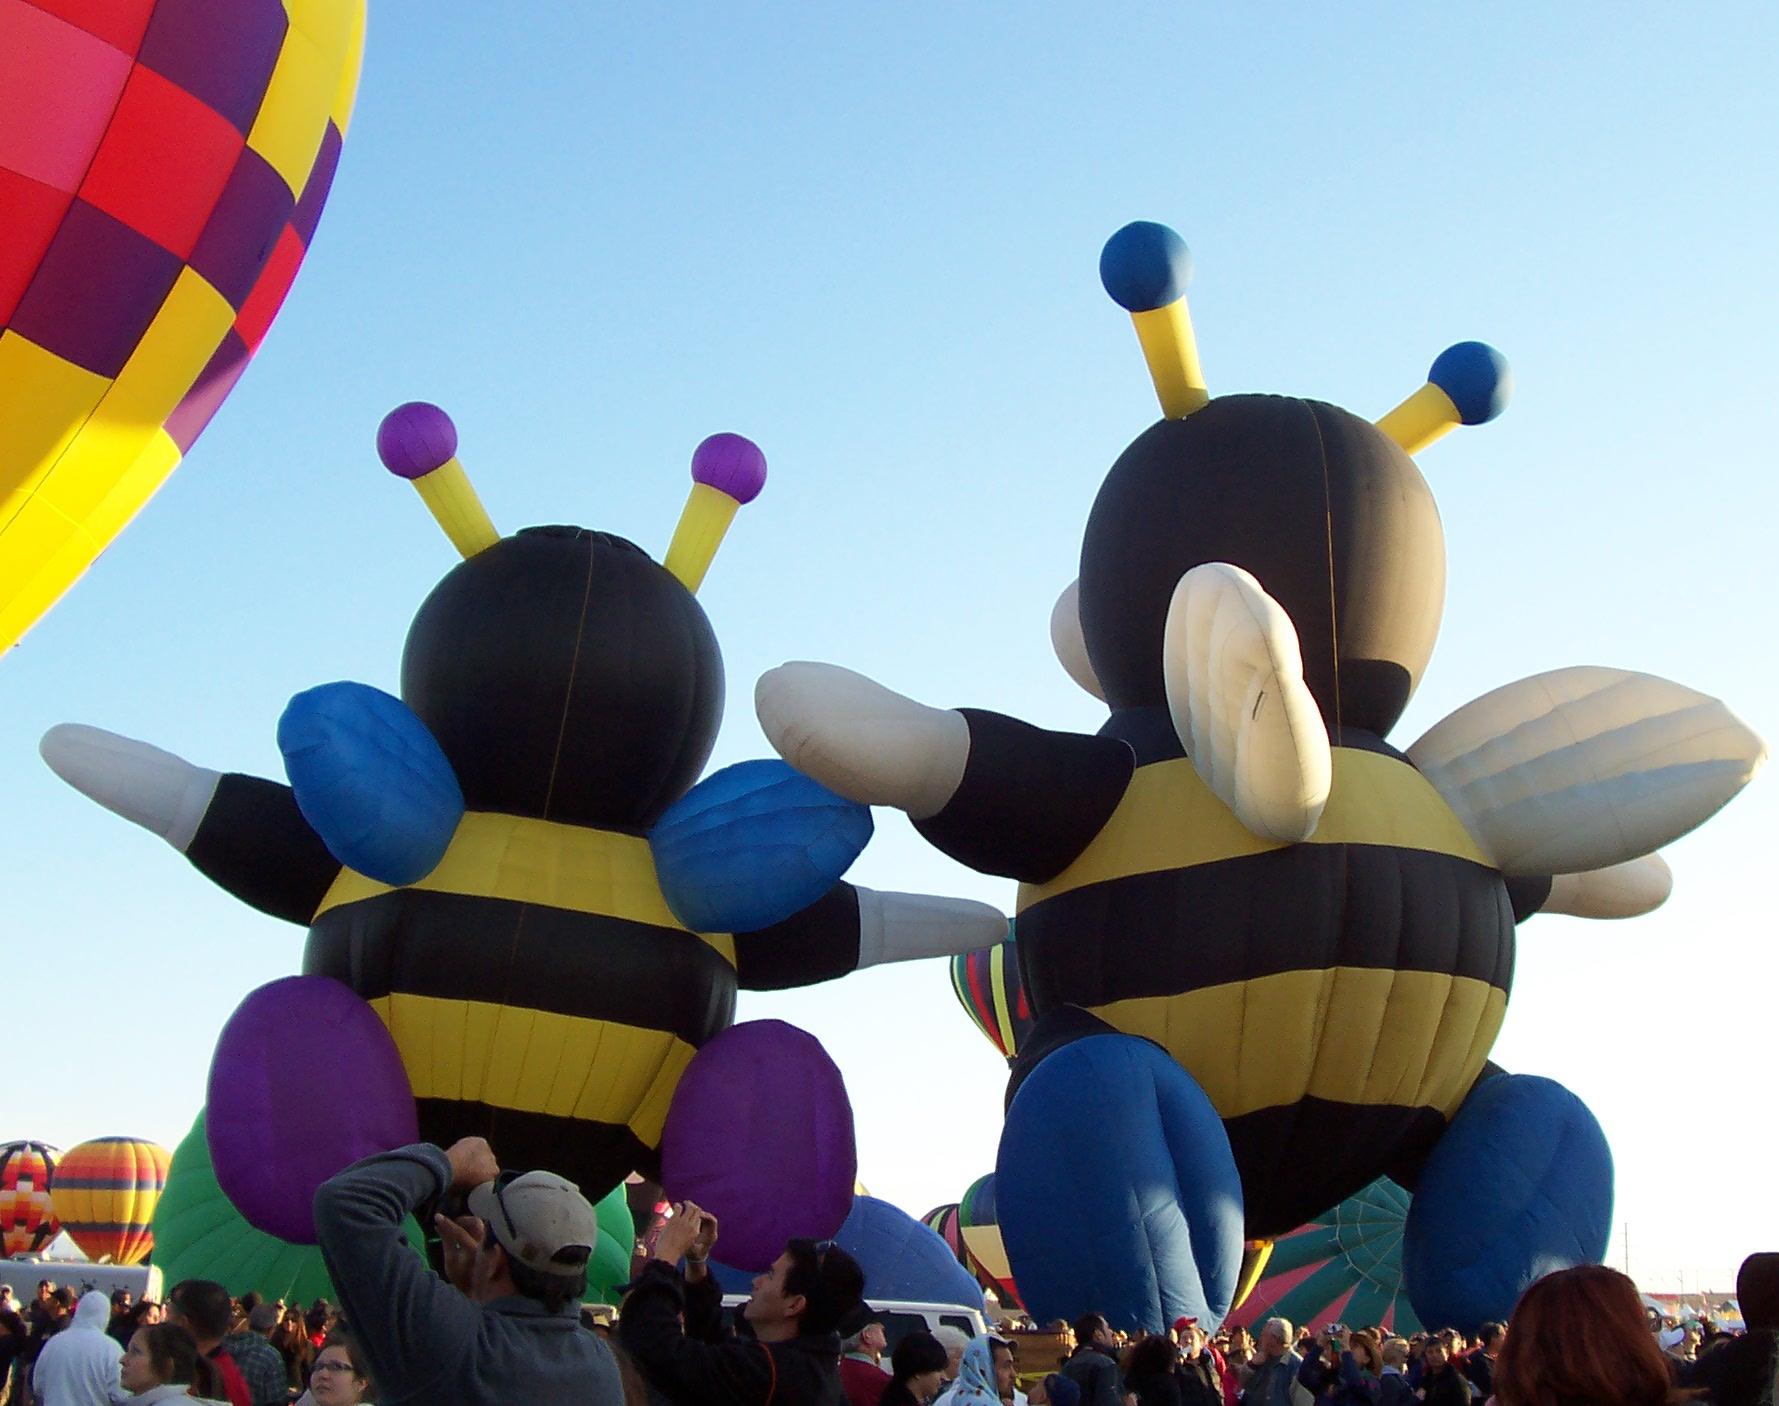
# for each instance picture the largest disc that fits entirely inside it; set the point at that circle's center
(27, 1221)
(162, 169)
(105, 1193)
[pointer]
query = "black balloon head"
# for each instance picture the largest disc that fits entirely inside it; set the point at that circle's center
(1331, 517)
(568, 676)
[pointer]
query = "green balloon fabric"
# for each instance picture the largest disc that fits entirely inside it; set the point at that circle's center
(198, 1234)
(609, 1269)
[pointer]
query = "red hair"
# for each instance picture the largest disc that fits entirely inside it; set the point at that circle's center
(1579, 1337)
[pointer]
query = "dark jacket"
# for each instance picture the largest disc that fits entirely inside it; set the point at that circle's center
(1481, 1371)
(1394, 1389)
(1448, 1388)
(1201, 1384)
(1096, 1375)
(426, 1342)
(1155, 1389)
(1344, 1385)
(705, 1363)
(1737, 1372)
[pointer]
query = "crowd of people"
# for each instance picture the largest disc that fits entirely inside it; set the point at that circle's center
(503, 1323)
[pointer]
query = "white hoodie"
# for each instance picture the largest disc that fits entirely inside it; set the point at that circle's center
(79, 1365)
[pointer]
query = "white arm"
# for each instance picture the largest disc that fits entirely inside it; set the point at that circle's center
(1627, 890)
(1235, 689)
(1585, 768)
(1070, 644)
(904, 927)
(160, 792)
(861, 739)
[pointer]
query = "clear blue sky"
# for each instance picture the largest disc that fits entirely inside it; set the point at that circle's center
(866, 236)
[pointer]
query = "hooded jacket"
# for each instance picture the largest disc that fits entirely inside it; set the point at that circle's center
(1739, 1372)
(79, 1365)
(707, 1363)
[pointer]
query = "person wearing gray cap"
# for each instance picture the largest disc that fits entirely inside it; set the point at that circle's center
(506, 1328)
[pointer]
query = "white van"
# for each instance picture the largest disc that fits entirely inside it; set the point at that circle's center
(900, 1317)
(26, 1272)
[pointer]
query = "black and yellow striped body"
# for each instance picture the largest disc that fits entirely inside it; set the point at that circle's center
(539, 989)
(1335, 999)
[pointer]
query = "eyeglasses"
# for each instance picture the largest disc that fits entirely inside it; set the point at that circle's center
(335, 1366)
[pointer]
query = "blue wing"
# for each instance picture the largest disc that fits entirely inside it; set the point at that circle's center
(752, 844)
(371, 779)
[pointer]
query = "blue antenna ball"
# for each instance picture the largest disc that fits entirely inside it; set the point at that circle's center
(1145, 266)
(1476, 377)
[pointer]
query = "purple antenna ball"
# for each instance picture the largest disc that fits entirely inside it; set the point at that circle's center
(732, 464)
(414, 439)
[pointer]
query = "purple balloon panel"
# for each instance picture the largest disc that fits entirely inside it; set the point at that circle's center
(732, 464)
(305, 1081)
(414, 439)
(760, 1134)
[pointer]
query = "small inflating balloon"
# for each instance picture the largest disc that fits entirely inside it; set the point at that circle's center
(275, 1139)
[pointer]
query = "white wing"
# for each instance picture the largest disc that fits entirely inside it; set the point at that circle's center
(1627, 890)
(1235, 690)
(1586, 768)
(1070, 646)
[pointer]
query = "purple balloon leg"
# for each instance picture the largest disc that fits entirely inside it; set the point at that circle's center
(305, 1081)
(760, 1134)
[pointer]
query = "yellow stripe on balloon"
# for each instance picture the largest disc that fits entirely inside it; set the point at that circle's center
(1169, 819)
(1353, 1035)
(537, 1061)
(351, 61)
(1000, 1008)
(44, 400)
(293, 116)
(525, 860)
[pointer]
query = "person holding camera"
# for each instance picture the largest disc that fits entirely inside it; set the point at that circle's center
(788, 1350)
(1344, 1369)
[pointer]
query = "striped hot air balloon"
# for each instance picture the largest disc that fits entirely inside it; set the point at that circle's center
(105, 1193)
(27, 1219)
(987, 985)
(163, 164)
(1343, 1267)
(942, 1221)
(980, 1230)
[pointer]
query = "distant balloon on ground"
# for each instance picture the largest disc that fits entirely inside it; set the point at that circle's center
(27, 1219)
(105, 1193)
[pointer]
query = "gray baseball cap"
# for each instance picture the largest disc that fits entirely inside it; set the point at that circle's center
(540, 1219)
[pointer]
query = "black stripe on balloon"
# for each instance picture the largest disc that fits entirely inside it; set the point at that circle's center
(462, 947)
(595, 1156)
(1300, 1159)
(254, 843)
(1302, 908)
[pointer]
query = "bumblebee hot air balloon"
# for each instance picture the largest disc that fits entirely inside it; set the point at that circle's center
(27, 1217)
(1344, 1266)
(987, 985)
(536, 923)
(1269, 952)
(163, 164)
(105, 1195)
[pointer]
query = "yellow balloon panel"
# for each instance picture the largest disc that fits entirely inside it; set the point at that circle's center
(104, 1193)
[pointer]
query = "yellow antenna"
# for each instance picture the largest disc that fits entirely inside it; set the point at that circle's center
(1145, 268)
(1468, 384)
(418, 442)
(727, 471)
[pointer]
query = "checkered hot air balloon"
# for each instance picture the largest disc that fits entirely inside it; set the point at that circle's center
(105, 1193)
(27, 1219)
(163, 164)
(1343, 1267)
